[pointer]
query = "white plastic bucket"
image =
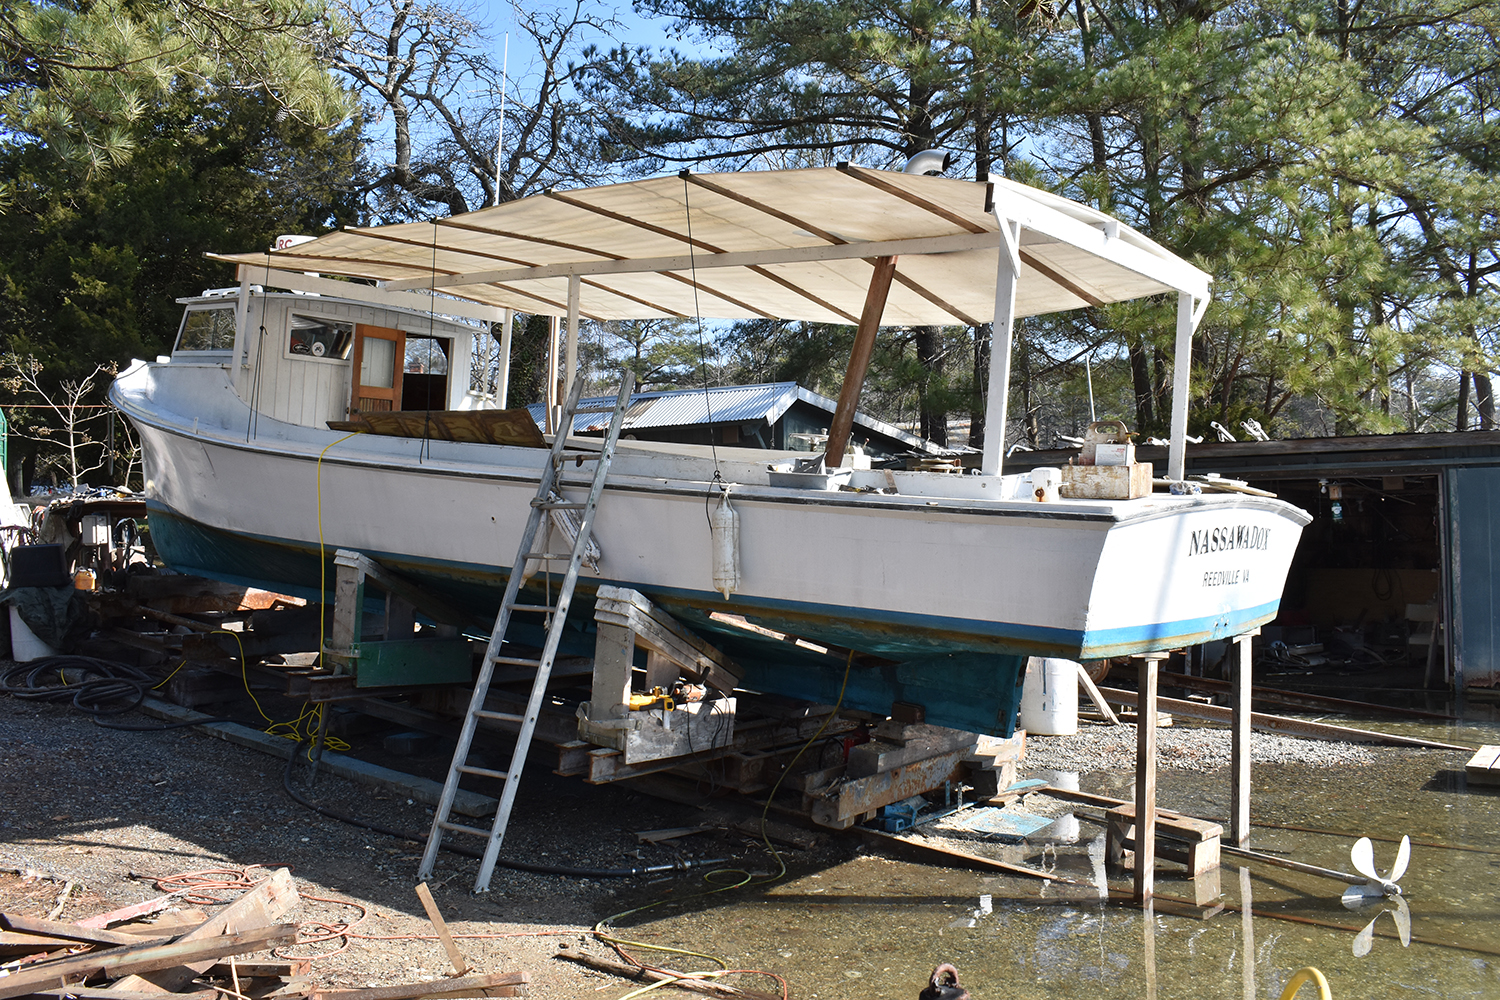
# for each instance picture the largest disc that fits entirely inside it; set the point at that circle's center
(1049, 697)
(24, 645)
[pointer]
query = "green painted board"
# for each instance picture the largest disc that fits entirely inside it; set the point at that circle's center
(393, 662)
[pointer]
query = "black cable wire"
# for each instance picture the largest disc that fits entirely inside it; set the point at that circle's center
(467, 852)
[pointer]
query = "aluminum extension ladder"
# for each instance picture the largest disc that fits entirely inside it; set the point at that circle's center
(548, 499)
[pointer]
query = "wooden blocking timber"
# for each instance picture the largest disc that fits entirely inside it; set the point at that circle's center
(910, 744)
(1484, 767)
(841, 804)
(1183, 839)
(194, 686)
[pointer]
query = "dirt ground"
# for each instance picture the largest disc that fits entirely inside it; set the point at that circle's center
(115, 812)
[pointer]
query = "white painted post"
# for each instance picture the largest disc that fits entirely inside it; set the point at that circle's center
(242, 340)
(550, 393)
(575, 284)
(1008, 271)
(502, 382)
(1239, 769)
(1181, 368)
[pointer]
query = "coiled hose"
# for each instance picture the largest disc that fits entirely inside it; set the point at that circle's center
(99, 688)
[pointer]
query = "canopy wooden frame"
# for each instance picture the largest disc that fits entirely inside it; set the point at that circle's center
(797, 245)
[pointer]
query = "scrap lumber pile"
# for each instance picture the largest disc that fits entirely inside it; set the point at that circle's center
(187, 955)
(148, 961)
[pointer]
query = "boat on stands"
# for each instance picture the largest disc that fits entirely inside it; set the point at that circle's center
(886, 585)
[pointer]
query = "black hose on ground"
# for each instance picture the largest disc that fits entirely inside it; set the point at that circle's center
(100, 688)
(469, 852)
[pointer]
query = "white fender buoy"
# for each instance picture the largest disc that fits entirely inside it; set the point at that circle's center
(724, 525)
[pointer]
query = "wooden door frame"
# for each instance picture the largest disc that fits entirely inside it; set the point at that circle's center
(358, 391)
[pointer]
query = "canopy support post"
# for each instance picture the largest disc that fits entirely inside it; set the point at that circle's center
(859, 361)
(502, 379)
(997, 395)
(571, 371)
(550, 391)
(1188, 315)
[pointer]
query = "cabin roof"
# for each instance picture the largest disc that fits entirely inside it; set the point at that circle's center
(786, 244)
(718, 405)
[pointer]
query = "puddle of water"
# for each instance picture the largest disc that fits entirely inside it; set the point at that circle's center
(873, 927)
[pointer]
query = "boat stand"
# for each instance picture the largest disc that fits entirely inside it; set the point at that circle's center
(655, 724)
(1145, 815)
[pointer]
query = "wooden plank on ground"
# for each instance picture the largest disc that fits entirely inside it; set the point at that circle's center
(132, 911)
(1484, 767)
(91, 993)
(11, 942)
(456, 957)
(880, 838)
(489, 981)
(115, 961)
(265, 904)
(72, 932)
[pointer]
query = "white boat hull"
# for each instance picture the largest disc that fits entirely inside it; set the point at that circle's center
(890, 575)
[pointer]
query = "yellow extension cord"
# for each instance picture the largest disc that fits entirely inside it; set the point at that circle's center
(1307, 975)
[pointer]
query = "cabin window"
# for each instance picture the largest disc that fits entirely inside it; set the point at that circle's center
(207, 330)
(424, 375)
(310, 337)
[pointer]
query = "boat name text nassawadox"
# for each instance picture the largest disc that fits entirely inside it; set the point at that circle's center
(1236, 536)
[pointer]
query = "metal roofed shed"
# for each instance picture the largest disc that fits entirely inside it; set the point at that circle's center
(780, 416)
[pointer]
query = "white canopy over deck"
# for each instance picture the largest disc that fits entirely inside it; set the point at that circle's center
(782, 244)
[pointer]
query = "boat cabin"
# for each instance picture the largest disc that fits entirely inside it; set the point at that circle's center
(308, 359)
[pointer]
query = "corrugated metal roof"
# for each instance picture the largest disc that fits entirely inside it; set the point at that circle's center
(714, 405)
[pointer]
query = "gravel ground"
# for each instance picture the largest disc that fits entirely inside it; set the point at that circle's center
(114, 811)
(1105, 748)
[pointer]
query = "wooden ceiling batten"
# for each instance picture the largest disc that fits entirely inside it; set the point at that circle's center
(869, 177)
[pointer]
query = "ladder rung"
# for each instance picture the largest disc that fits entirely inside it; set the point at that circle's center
(544, 608)
(551, 556)
(482, 771)
(517, 661)
(461, 828)
(560, 505)
(484, 713)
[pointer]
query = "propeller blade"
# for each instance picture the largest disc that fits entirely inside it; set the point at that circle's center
(1362, 855)
(1403, 855)
(1365, 939)
(1358, 896)
(1402, 915)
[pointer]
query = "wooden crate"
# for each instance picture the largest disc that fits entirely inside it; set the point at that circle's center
(1106, 482)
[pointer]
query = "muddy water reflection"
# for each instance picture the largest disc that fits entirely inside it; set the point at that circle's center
(874, 927)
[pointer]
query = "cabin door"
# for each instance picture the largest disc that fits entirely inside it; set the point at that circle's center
(379, 356)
